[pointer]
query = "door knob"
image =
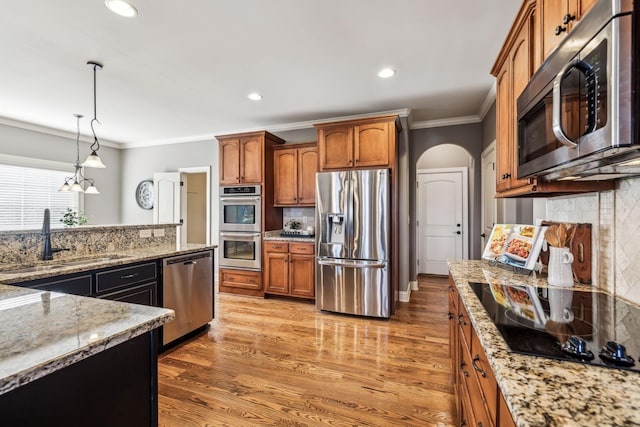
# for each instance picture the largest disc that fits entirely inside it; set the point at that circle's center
(458, 232)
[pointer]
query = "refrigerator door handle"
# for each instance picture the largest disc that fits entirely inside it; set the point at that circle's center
(351, 264)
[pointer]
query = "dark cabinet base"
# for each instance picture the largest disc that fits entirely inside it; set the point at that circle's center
(117, 387)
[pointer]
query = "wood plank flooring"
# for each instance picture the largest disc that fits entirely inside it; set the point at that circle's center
(281, 362)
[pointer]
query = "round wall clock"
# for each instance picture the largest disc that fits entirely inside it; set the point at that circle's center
(144, 194)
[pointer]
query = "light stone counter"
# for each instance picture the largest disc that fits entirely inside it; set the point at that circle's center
(95, 261)
(43, 332)
(545, 392)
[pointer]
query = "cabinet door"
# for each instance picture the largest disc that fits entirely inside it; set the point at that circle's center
(503, 127)
(371, 145)
(80, 285)
(335, 147)
(585, 6)
(504, 416)
(307, 168)
(521, 71)
(285, 177)
(302, 275)
(276, 272)
(251, 160)
(230, 161)
(551, 13)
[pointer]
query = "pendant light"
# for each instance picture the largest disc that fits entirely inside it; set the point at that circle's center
(75, 183)
(93, 160)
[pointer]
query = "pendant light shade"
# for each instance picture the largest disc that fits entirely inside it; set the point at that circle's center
(94, 161)
(75, 183)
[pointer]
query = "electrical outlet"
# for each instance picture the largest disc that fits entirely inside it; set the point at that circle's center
(145, 233)
(158, 232)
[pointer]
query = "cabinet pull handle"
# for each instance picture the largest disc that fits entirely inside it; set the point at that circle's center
(559, 30)
(128, 276)
(476, 358)
(568, 18)
(450, 315)
(461, 320)
(463, 423)
(464, 372)
(251, 281)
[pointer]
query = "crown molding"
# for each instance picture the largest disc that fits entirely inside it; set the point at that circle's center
(488, 101)
(54, 132)
(452, 121)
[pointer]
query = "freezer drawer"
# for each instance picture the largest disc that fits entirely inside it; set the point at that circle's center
(353, 287)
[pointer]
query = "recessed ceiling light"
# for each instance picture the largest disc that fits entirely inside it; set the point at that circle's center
(122, 8)
(385, 73)
(255, 96)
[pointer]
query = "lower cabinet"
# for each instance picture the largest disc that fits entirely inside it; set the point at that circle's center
(478, 399)
(74, 285)
(243, 282)
(289, 269)
(146, 294)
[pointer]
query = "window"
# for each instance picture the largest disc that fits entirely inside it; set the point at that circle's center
(27, 187)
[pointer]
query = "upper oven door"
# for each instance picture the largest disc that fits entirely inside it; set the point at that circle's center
(240, 213)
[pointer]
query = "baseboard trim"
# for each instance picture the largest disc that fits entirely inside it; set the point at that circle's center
(405, 296)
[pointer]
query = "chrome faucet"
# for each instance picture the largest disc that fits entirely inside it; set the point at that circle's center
(47, 253)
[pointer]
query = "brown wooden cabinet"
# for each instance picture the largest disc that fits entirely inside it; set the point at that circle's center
(478, 398)
(557, 18)
(243, 156)
(366, 143)
(527, 44)
(295, 170)
(513, 69)
(244, 282)
(289, 268)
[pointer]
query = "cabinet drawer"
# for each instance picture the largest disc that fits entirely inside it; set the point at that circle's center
(241, 279)
(276, 246)
(143, 294)
(484, 375)
(75, 285)
(465, 324)
(470, 383)
(301, 248)
(118, 277)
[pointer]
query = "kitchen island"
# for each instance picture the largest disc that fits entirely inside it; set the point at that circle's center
(72, 360)
(540, 391)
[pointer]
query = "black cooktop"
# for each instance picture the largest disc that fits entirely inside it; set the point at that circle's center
(565, 324)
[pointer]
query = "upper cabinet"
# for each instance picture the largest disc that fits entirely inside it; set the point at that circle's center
(295, 167)
(366, 143)
(513, 70)
(531, 38)
(557, 18)
(242, 157)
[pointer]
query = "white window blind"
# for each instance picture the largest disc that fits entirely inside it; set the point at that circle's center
(25, 192)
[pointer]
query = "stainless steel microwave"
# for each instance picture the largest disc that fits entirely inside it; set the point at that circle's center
(578, 116)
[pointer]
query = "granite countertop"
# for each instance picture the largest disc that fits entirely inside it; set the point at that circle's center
(546, 392)
(274, 235)
(96, 261)
(42, 332)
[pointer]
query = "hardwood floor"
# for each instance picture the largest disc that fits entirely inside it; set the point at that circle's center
(282, 362)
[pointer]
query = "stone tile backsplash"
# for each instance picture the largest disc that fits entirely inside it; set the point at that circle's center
(21, 247)
(306, 216)
(616, 234)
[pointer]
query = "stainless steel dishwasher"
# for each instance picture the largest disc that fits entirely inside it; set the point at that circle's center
(187, 288)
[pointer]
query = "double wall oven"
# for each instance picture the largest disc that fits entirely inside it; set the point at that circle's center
(240, 227)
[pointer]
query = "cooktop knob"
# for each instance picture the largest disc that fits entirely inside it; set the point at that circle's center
(576, 347)
(616, 354)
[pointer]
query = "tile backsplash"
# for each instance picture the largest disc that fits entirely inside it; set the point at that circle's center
(306, 216)
(615, 234)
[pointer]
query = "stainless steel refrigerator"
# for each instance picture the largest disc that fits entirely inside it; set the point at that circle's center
(353, 242)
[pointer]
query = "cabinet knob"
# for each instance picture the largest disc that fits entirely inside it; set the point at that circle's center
(560, 30)
(450, 315)
(568, 18)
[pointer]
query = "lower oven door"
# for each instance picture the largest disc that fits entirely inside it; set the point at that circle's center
(241, 250)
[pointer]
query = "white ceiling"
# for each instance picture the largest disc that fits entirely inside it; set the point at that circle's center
(182, 70)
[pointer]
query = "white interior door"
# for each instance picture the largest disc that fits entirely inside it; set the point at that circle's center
(442, 219)
(489, 209)
(167, 205)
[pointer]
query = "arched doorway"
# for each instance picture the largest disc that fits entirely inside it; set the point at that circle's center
(442, 207)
